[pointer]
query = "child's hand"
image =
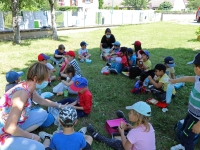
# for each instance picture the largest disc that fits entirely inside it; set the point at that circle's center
(172, 81)
(149, 77)
(196, 128)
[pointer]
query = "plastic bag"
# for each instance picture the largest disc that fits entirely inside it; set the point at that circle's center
(46, 95)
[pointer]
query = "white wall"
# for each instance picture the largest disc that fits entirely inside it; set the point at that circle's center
(178, 5)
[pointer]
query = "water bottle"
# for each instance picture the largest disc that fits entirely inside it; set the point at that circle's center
(179, 85)
(146, 82)
(169, 91)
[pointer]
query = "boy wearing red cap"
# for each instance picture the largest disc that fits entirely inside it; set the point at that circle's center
(83, 103)
(72, 61)
(42, 58)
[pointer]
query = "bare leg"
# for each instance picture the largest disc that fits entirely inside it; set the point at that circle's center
(88, 139)
(46, 143)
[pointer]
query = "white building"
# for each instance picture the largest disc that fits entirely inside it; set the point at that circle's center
(83, 5)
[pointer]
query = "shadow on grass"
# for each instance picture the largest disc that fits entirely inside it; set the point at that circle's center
(63, 38)
(193, 40)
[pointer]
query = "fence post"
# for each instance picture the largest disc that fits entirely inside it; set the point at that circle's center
(122, 17)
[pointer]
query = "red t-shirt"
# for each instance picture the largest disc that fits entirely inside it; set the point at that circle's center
(85, 101)
(124, 61)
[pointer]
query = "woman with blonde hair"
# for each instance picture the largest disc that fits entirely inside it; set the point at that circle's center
(141, 135)
(17, 119)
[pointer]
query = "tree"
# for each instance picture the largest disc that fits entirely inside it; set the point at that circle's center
(165, 6)
(53, 19)
(116, 7)
(193, 4)
(100, 4)
(136, 4)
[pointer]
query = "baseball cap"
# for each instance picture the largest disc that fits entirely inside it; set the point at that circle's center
(11, 76)
(169, 61)
(71, 53)
(141, 107)
(196, 60)
(83, 43)
(42, 57)
(116, 43)
(145, 52)
(137, 43)
(79, 83)
(130, 51)
(68, 116)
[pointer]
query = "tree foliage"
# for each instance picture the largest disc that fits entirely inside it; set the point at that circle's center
(165, 6)
(116, 7)
(136, 4)
(193, 4)
(100, 4)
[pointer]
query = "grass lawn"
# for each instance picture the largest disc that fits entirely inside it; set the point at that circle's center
(111, 92)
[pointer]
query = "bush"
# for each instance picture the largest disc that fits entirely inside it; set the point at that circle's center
(165, 6)
(116, 7)
(67, 8)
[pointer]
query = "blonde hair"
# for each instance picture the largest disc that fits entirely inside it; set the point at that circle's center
(38, 70)
(142, 120)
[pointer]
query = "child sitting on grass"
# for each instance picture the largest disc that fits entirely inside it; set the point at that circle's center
(42, 58)
(141, 135)
(83, 103)
(137, 47)
(68, 139)
(58, 55)
(65, 84)
(160, 84)
(169, 63)
(113, 51)
(83, 52)
(13, 78)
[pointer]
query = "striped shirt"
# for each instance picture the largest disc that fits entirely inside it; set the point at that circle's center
(75, 64)
(194, 100)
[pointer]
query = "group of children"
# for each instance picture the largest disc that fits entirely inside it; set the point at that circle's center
(141, 135)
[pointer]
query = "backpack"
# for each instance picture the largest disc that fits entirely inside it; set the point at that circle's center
(178, 132)
(138, 88)
(115, 68)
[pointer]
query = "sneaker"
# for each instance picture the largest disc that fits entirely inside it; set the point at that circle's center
(125, 73)
(82, 60)
(91, 130)
(113, 71)
(178, 147)
(108, 64)
(120, 114)
(83, 130)
(43, 134)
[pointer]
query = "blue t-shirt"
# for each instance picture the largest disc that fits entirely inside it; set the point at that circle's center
(75, 141)
(58, 53)
(133, 59)
(75, 77)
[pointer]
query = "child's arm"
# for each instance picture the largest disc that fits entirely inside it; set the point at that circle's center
(183, 79)
(67, 83)
(196, 128)
(155, 84)
(63, 75)
(145, 67)
(172, 75)
(59, 56)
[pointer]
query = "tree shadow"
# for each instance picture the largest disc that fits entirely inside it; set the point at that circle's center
(63, 38)
(193, 40)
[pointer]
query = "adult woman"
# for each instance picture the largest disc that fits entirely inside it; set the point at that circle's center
(107, 40)
(17, 119)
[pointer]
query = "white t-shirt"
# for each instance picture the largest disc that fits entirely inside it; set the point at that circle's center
(49, 66)
(83, 52)
(169, 71)
(141, 139)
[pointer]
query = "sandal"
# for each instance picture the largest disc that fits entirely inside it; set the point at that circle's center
(156, 103)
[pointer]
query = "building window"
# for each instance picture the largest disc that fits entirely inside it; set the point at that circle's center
(87, 1)
(73, 2)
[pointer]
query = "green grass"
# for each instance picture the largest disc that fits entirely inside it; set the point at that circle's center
(111, 92)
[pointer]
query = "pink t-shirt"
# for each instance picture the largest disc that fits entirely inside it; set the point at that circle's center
(142, 140)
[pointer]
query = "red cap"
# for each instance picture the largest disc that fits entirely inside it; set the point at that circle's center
(42, 57)
(137, 43)
(71, 53)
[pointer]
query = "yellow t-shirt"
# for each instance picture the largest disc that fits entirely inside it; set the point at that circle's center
(148, 64)
(164, 79)
(169, 71)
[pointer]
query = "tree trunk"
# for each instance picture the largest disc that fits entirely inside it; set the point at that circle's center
(15, 21)
(53, 20)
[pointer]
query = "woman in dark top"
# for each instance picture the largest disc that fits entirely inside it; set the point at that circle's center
(107, 40)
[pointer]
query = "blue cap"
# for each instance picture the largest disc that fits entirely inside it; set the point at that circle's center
(83, 43)
(145, 52)
(11, 76)
(169, 61)
(79, 83)
(116, 43)
(130, 50)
